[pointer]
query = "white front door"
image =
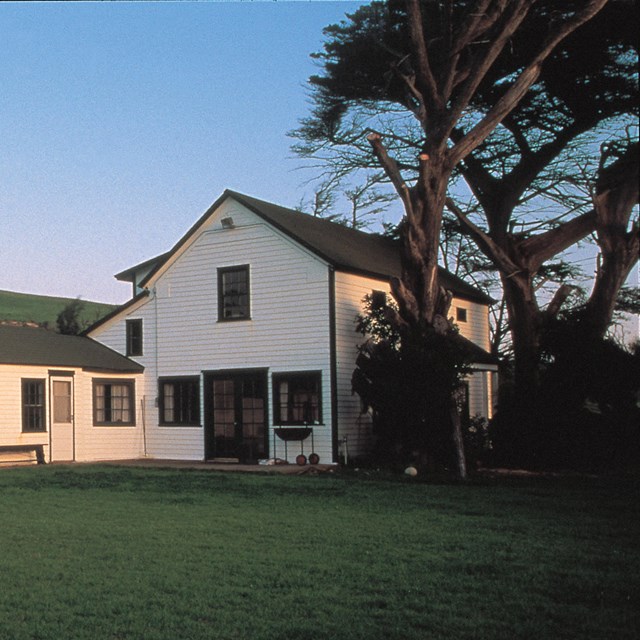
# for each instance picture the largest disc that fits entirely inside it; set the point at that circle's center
(62, 440)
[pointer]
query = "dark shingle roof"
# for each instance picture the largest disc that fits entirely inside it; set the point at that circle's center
(33, 346)
(346, 249)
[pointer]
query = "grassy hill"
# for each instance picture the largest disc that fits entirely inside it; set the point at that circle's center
(43, 310)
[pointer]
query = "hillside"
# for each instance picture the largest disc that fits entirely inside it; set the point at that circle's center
(43, 310)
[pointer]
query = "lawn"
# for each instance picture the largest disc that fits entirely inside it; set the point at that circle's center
(93, 552)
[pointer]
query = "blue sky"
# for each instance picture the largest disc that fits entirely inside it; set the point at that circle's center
(120, 123)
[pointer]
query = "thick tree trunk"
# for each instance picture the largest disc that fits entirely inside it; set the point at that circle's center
(617, 194)
(525, 322)
(458, 440)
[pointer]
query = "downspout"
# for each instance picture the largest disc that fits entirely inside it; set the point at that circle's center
(333, 364)
(156, 359)
(144, 426)
(49, 418)
(155, 330)
(73, 416)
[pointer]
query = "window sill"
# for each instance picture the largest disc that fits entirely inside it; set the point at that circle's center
(111, 425)
(179, 425)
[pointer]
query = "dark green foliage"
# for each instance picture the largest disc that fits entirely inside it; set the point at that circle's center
(407, 377)
(533, 173)
(628, 300)
(587, 83)
(477, 440)
(586, 414)
(68, 321)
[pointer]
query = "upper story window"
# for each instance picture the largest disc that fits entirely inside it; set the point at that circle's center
(179, 401)
(233, 293)
(134, 337)
(461, 314)
(114, 403)
(297, 398)
(33, 404)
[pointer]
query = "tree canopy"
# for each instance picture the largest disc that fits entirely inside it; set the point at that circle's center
(531, 107)
(522, 93)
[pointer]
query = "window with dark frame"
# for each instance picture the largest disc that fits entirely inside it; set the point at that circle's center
(179, 401)
(233, 293)
(33, 405)
(461, 314)
(134, 337)
(114, 403)
(297, 398)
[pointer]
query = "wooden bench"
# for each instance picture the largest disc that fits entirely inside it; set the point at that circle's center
(36, 451)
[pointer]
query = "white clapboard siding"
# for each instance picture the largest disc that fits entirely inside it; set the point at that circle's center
(288, 330)
(90, 442)
(354, 425)
(94, 443)
(11, 377)
(476, 327)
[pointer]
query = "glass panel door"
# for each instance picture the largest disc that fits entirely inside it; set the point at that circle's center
(224, 419)
(236, 416)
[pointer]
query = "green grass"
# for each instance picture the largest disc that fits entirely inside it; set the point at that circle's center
(24, 307)
(121, 553)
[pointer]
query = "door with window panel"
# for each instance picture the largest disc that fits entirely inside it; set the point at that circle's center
(236, 421)
(62, 440)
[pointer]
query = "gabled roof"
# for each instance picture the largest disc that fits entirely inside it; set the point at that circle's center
(128, 274)
(116, 311)
(344, 248)
(34, 346)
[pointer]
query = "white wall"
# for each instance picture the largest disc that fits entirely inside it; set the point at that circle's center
(105, 442)
(288, 330)
(91, 442)
(352, 424)
(11, 377)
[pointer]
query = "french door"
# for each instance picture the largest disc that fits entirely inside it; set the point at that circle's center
(236, 416)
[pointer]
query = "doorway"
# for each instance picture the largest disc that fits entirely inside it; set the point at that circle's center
(236, 416)
(62, 428)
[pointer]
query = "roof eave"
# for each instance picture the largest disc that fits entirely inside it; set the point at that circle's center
(115, 312)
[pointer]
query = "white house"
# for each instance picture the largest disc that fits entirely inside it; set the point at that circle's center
(66, 398)
(246, 332)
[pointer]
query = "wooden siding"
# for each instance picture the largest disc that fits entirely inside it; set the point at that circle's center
(11, 377)
(476, 328)
(91, 443)
(105, 443)
(288, 330)
(352, 423)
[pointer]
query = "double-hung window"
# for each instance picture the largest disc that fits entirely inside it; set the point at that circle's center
(297, 398)
(233, 293)
(179, 401)
(33, 405)
(134, 337)
(114, 403)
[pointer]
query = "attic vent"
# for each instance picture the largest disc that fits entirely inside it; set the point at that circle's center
(227, 223)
